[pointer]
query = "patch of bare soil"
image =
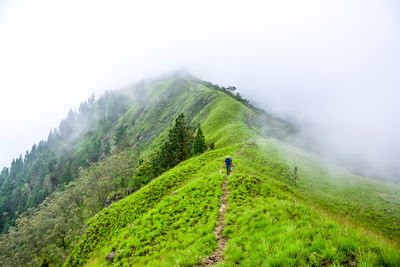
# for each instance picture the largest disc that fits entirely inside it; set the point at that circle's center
(218, 231)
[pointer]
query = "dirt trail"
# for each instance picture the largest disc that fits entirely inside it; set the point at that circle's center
(218, 230)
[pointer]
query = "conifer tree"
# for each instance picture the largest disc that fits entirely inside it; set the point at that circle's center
(178, 147)
(179, 141)
(199, 144)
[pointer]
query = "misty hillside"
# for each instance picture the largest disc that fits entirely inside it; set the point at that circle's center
(109, 187)
(117, 121)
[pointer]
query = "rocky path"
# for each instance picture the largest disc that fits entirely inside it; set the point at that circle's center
(218, 231)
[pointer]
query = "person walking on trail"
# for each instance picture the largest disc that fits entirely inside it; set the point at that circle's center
(228, 165)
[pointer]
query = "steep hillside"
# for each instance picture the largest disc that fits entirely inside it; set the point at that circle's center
(283, 207)
(171, 221)
(94, 155)
(80, 140)
(277, 215)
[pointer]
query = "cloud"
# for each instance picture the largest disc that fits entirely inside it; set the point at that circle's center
(331, 67)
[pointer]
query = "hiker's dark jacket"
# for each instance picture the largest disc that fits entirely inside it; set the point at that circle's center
(228, 163)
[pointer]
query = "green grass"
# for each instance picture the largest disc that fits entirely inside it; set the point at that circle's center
(178, 231)
(224, 121)
(268, 225)
(150, 117)
(111, 221)
(372, 204)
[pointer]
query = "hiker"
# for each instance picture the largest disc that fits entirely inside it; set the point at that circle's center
(228, 165)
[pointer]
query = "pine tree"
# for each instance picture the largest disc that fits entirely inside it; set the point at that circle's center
(180, 141)
(199, 144)
(178, 147)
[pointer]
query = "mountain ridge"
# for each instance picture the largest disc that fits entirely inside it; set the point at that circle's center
(264, 175)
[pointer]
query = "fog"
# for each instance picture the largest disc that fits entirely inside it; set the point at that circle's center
(330, 67)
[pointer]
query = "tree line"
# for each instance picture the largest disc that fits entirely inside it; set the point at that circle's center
(50, 230)
(53, 163)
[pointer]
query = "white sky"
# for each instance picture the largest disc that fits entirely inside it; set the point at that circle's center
(333, 65)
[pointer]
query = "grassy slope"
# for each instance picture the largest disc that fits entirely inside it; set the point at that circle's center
(158, 105)
(179, 229)
(212, 117)
(224, 121)
(148, 116)
(370, 203)
(268, 221)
